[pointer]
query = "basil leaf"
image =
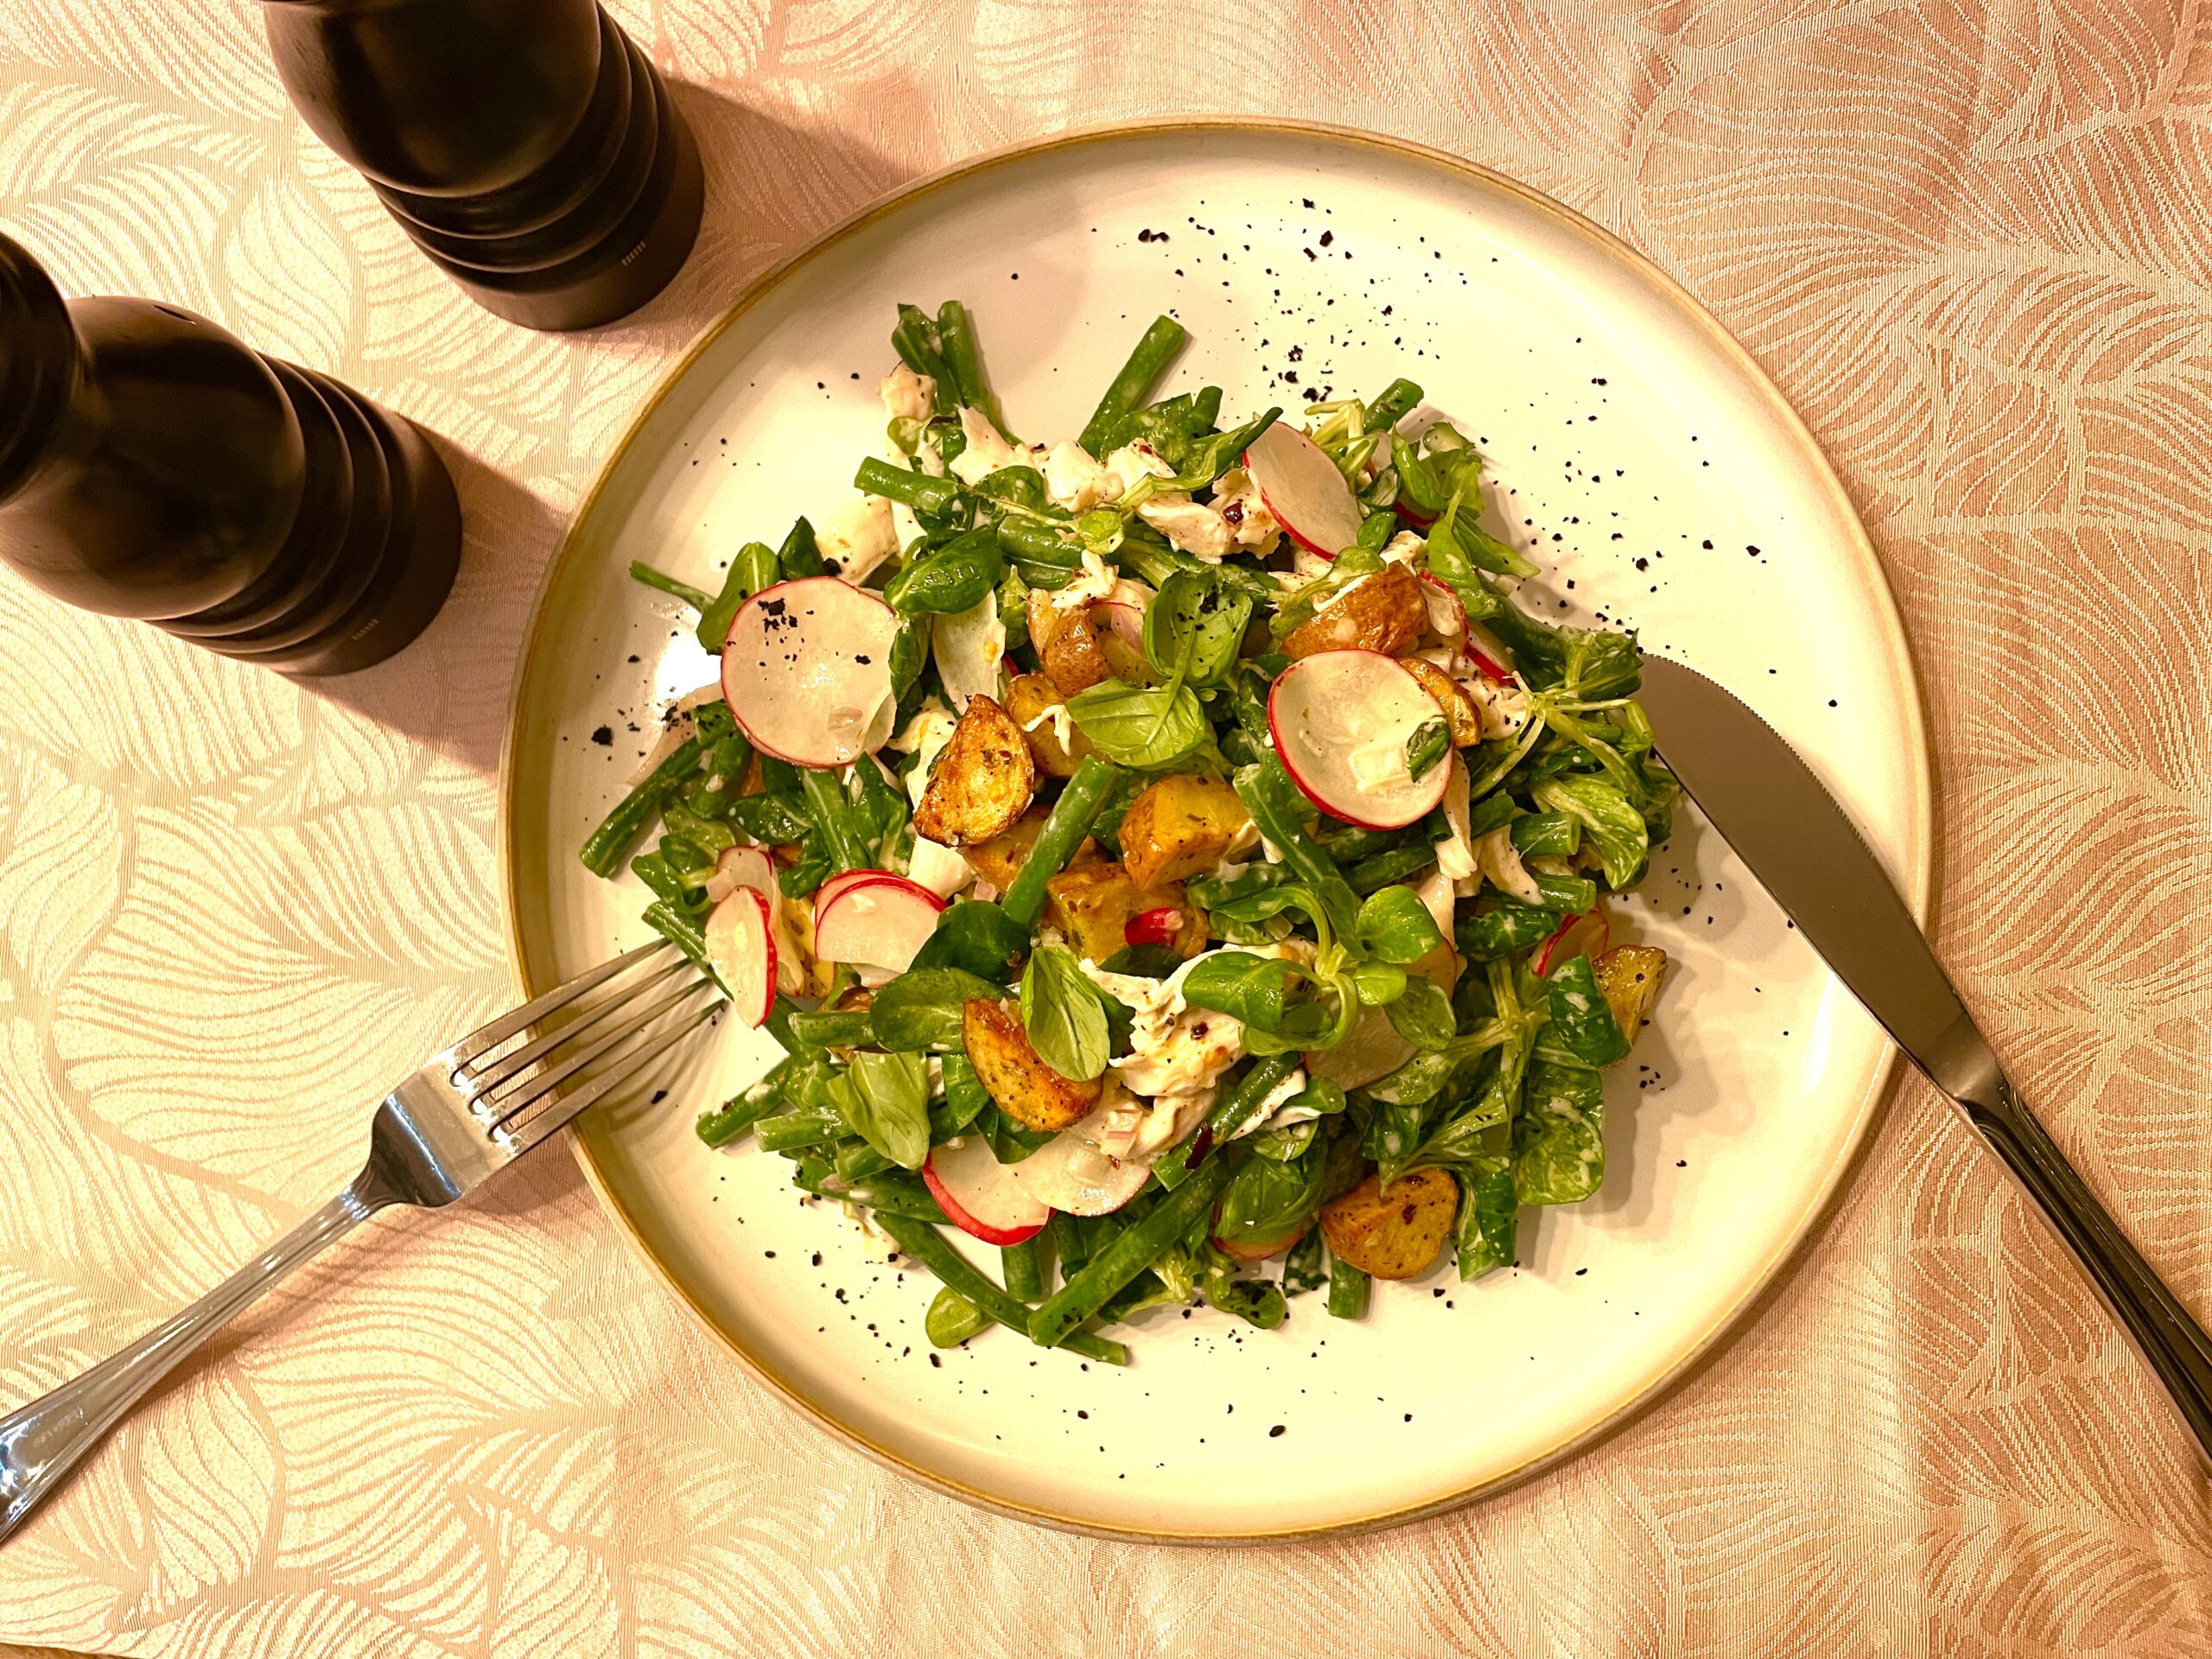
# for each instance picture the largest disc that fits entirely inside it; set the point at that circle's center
(1195, 624)
(1267, 1199)
(1207, 459)
(1430, 743)
(752, 569)
(1394, 924)
(976, 936)
(1147, 727)
(1558, 1148)
(1582, 1021)
(769, 819)
(1064, 1015)
(1459, 541)
(885, 1100)
(1255, 989)
(1423, 1016)
(1502, 929)
(1378, 983)
(950, 579)
(921, 1009)
(1616, 830)
(1488, 1205)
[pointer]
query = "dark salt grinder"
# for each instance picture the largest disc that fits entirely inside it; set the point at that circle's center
(153, 466)
(527, 146)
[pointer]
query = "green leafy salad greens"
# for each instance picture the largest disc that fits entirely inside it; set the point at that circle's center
(1222, 1020)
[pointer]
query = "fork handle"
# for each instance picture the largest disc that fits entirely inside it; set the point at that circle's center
(41, 1442)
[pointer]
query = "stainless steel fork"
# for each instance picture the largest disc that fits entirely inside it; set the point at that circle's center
(471, 1111)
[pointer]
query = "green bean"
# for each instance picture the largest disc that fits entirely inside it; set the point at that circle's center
(918, 490)
(1268, 792)
(1067, 1241)
(1140, 1244)
(1153, 353)
(1557, 834)
(1394, 404)
(894, 1193)
(1384, 868)
(957, 334)
(920, 345)
(746, 1107)
(1043, 556)
(1348, 1287)
(1023, 1269)
(801, 1126)
(1573, 893)
(667, 920)
(696, 598)
(1230, 1115)
(815, 1030)
(1503, 929)
(1071, 819)
(952, 1319)
(602, 854)
(855, 1160)
(927, 1246)
(1348, 844)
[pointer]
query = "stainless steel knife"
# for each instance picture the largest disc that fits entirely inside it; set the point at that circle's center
(1786, 827)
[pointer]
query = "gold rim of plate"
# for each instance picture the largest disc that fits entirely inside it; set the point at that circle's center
(1788, 430)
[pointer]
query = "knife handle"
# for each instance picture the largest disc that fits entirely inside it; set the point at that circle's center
(2169, 1340)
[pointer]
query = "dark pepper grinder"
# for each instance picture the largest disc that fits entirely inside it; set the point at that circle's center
(530, 150)
(153, 466)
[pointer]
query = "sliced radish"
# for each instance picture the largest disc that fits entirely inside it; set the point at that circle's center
(1341, 720)
(1122, 610)
(741, 946)
(980, 1195)
(836, 884)
(1068, 1173)
(806, 671)
(741, 866)
(1579, 935)
(1304, 490)
(1412, 515)
(879, 923)
(1489, 655)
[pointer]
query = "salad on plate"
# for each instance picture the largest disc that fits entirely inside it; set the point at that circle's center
(1169, 854)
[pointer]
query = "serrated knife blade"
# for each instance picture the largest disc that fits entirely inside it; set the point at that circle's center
(1796, 839)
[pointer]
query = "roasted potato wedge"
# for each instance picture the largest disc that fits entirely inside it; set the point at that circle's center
(799, 972)
(1093, 905)
(1629, 975)
(1457, 708)
(1026, 1088)
(1385, 612)
(1181, 826)
(1030, 699)
(996, 860)
(1067, 643)
(982, 782)
(1392, 1232)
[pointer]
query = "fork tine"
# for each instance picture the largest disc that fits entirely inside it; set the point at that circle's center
(559, 997)
(495, 1104)
(498, 1069)
(521, 1137)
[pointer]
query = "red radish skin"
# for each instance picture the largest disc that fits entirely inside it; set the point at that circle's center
(1158, 926)
(878, 922)
(1577, 935)
(979, 1196)
(1489, 655)
(1410, 514)
(1304, 490)
(806, 671)
(742, 945)
(1326, 711)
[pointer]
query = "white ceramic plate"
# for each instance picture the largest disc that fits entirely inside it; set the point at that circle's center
(1647, 463)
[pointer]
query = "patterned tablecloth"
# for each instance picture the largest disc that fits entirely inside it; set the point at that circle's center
(1974, 244)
